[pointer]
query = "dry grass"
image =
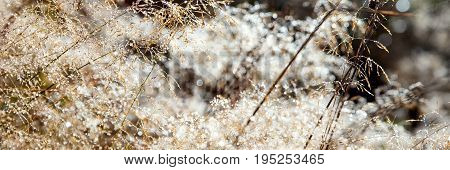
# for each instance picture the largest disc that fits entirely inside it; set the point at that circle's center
(111, 75)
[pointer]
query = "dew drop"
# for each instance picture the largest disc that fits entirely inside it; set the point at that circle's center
(68, 124)
(403, 5)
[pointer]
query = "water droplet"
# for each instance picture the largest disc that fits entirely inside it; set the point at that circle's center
(399, 26)
(199, 83)
(68, 124)
(403, 5)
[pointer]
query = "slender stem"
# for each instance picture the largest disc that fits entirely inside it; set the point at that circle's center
(272, 87)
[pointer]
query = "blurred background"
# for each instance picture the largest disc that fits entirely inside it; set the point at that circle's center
(421, 30)
(418, 47)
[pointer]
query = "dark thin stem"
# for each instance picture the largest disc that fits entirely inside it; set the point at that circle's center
(141, 88)
(383, 12)
(347, 79)
(429, 135)
(272, 87)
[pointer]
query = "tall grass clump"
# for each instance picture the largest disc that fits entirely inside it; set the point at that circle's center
(200, 74)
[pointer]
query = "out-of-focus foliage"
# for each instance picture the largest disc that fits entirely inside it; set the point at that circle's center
(176, 74)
